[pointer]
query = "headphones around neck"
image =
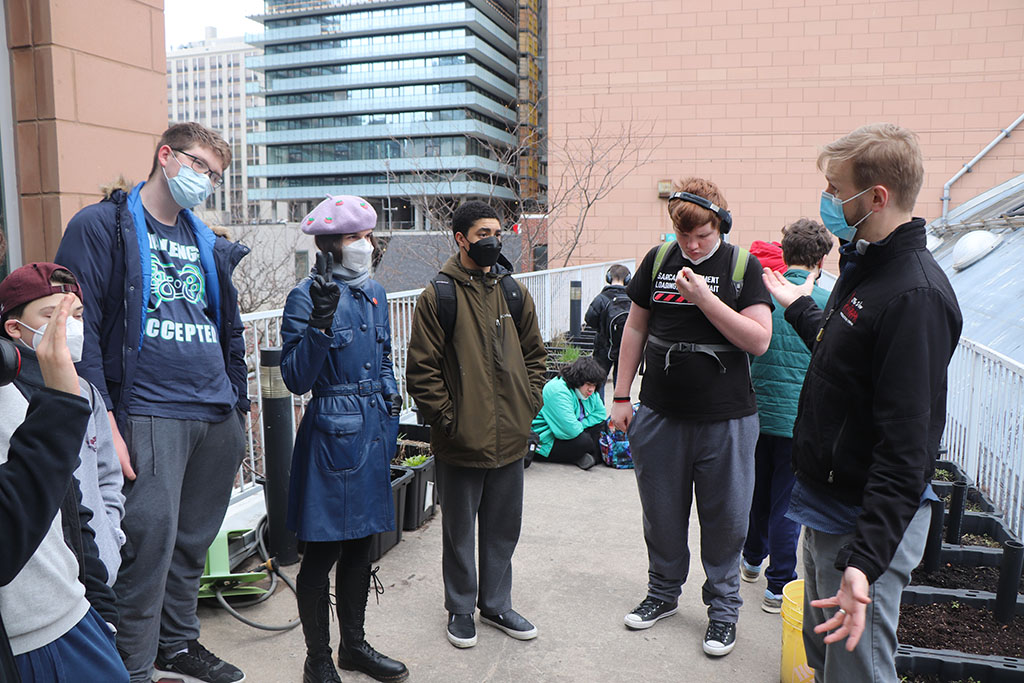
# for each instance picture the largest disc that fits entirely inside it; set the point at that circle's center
(724, 216)
(608, 277)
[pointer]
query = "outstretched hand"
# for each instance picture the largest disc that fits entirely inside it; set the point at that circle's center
(852, 600)
(324, 291)
(784, 291)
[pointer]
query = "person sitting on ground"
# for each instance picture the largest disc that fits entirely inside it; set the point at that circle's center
(569, 423)
(54, 601)
(27, 298)
(777, 377)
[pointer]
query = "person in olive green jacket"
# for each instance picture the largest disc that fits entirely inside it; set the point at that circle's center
(478, 390)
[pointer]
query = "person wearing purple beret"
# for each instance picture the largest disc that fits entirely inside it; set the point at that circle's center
(336, 343)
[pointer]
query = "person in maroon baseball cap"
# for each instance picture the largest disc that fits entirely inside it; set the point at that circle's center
(59, 610)
(28, 298)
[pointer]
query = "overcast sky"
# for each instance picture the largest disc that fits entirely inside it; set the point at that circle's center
(185, 21)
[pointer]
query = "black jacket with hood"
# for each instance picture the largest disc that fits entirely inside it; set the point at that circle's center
(873, 404)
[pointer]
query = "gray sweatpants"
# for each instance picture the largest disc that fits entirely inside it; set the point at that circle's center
(674, 460)
(874, 658)
(494, 497)
(173, 510)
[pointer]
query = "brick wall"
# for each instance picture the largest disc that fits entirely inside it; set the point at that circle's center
(745, 91)
(90, 103)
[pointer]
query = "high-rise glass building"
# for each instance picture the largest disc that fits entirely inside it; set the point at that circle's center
(403, 102)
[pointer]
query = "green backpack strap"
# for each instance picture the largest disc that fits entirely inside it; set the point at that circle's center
(659, 258)
(740, 256)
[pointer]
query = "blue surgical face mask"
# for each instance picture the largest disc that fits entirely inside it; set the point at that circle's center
(190, 187)
(834, 219)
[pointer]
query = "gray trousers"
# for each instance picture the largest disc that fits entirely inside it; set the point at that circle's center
(492, 498)
(675, 460)
(874, 658)
(173, 510)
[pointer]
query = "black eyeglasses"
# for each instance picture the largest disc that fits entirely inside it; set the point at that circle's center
(200, 166)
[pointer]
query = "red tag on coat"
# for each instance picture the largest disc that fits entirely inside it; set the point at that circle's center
(374, 301)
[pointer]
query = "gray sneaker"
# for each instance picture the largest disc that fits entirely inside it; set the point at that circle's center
(749, 572)
(772, 602)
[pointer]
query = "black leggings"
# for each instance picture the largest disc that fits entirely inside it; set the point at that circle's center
(572, 450)
(320, 556)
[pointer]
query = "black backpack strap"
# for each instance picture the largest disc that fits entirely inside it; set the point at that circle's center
(444, 288)
(513, 298)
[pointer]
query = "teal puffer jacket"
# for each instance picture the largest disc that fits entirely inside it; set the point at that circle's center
(559, 417)
(778, 375)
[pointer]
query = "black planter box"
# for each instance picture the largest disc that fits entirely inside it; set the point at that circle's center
(953, 665)
(386, 540)
(943, 488)
(421, 500)
(952, 468)
(415, 432)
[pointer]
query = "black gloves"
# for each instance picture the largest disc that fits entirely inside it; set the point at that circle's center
(396, 405)
(324, 292)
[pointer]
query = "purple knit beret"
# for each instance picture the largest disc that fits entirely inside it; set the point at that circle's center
(340, 215)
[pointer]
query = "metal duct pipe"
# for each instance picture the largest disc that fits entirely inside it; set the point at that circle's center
(1005, 133)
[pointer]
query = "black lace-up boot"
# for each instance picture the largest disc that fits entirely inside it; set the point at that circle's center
(316, 629)
(354, 653)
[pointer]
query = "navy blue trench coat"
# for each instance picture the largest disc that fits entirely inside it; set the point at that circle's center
(341, 476)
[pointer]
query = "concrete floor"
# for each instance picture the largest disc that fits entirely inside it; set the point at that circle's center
(580, 567)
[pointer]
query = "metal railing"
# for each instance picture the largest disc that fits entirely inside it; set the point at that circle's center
(985, 425)
(550, 292)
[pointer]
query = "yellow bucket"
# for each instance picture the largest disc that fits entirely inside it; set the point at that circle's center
(794, 667)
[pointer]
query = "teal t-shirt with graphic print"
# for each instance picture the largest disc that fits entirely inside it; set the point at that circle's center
(180, 373)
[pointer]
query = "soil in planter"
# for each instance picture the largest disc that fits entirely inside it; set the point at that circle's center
(970, 505)
(983, 540)
(961, 577)
(943, 475)
(956, 626)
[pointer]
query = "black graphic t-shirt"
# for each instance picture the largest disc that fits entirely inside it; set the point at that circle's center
(181, 371)
(693, 388)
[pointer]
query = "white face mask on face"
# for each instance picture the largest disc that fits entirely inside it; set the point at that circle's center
(357, 256)
(74, 330)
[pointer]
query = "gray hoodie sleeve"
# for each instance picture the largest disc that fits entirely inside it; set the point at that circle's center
(108, 467)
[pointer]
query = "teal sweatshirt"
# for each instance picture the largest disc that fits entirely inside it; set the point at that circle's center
(560, 418)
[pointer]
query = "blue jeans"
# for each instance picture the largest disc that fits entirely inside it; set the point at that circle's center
(769, 533)
(85, 654)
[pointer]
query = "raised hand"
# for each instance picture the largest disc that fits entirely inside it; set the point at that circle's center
(324, 292)
(52, 351)
(784, 291)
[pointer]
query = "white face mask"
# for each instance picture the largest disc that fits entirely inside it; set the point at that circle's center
(357, 256)
(75, 337)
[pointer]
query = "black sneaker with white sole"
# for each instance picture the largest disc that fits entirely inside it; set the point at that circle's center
(512, 623)
(461, 630)
(720, 638)
(648, 612)
(196, 665)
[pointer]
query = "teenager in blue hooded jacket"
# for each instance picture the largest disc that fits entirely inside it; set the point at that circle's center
(337, 343)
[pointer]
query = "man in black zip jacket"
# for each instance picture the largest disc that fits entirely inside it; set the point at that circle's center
(872, 408)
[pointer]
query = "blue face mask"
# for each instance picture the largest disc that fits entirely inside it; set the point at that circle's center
(189, 188)
(835, 221)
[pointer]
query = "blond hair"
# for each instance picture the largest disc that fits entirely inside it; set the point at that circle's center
(880, 154)
(182, 136)
(685, 215)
